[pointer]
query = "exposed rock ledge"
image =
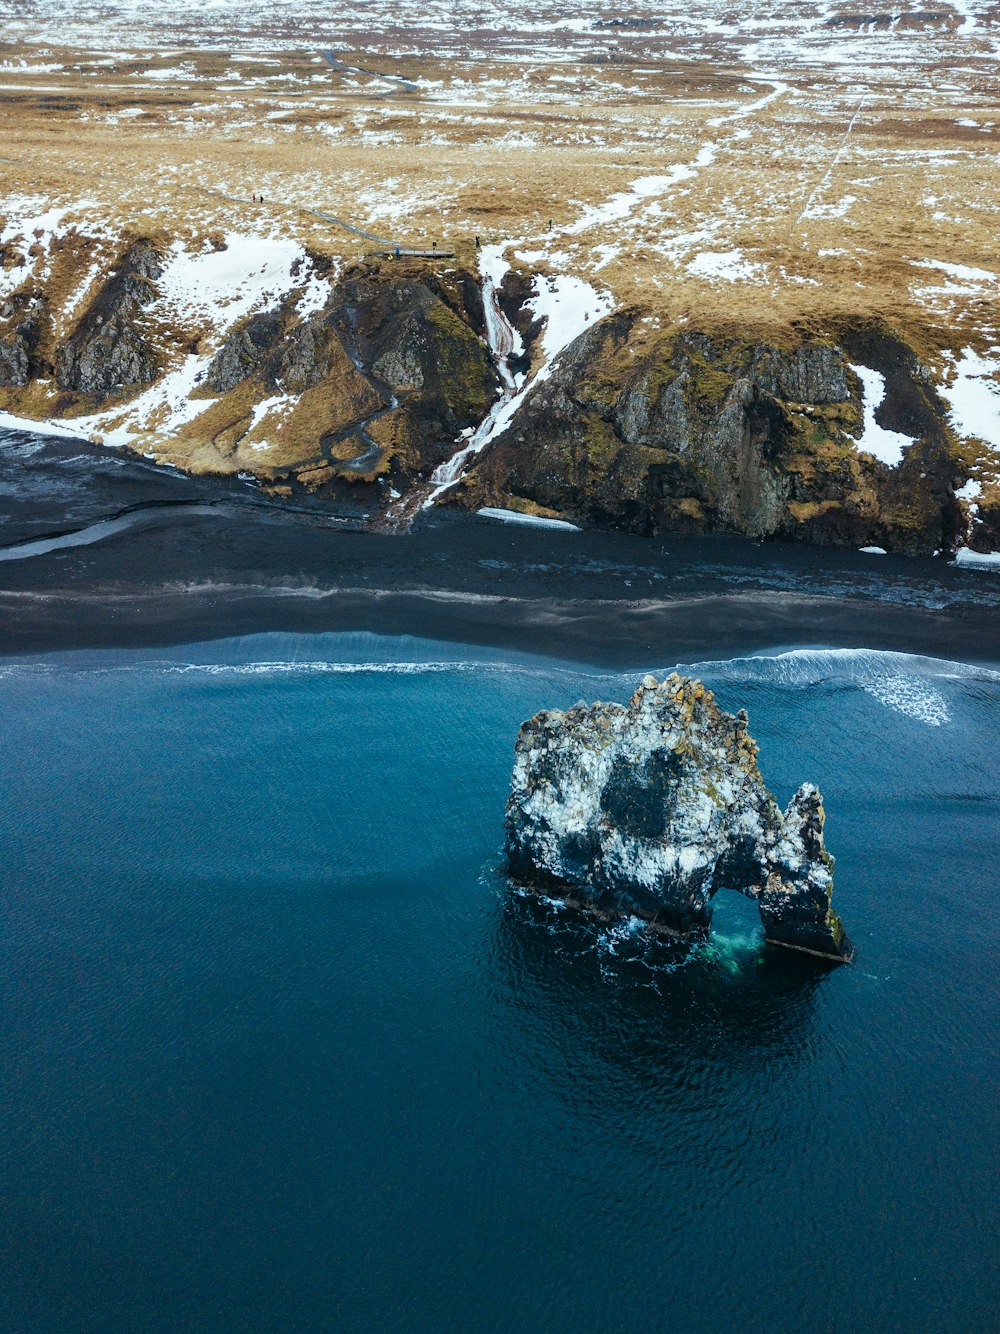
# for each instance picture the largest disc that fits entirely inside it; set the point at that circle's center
(355, 385)
(652, 807)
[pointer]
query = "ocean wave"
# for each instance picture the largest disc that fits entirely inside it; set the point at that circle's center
(20, 447)
(902, 682)
(311, 667)
(911, 685)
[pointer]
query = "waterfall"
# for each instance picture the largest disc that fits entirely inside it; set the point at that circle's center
(566, 305)
(502, 339)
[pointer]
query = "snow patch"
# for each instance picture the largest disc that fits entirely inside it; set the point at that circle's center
(643, 188)
(528, 520)
(730, 266)
(163, 408)
(221, 286)
(886, 446)
(8, 422)
(962, 271)
(981, 559)
(569, 306)
(973, 397)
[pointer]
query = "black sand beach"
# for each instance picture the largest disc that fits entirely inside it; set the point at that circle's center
(180, 559)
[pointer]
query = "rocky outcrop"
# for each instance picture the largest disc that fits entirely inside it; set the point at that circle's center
(795, 899)
(386, 378)
(651, 808)
(422, 348)
(14, 360)
(244, 352)
(653, 428)
(19, 336)
(108, 353)
(695, 431)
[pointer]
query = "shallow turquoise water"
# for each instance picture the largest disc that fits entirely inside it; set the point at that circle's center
(283, 1051)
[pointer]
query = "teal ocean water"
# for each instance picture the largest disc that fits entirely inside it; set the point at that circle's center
(283, 1051)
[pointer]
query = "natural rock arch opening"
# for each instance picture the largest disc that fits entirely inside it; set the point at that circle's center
(735, 914)
(732, 907)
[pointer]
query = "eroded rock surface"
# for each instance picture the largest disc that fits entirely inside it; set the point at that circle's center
(704, 431)
(357, 384)
(109, 352)
(650, 808)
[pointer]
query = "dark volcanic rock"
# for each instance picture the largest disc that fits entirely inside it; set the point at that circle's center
(108, 353)
(244, 352)
(690, 431)
(20, 330)
(653, 807)
(795, 900)
(417, 346)
(14, 361)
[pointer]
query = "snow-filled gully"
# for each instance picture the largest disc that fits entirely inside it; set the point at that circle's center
(503, 340)
(568, 306)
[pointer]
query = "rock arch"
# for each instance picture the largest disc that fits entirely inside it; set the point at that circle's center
(650, 808)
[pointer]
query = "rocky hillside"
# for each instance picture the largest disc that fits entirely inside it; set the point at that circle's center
(762, 433)
(364, 378)
(241, 355)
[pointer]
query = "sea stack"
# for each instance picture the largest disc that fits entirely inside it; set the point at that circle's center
(650, 808)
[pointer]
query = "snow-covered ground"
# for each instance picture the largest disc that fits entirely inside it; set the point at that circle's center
(526, 520)
(887, 446)
(736, 159)
(983, 560)
(973, 396)
(567, 306)
(218, 286)
(202, 291)
(766, 32)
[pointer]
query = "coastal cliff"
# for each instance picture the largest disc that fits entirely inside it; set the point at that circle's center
(649, 809)
(359, 382)
(688, 430)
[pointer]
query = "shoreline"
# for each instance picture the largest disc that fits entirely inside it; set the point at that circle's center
(599, 634)
(203, 559)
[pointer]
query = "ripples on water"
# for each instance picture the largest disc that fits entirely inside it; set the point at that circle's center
(285, 1050)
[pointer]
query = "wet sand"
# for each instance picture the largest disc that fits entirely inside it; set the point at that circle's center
(198, 560)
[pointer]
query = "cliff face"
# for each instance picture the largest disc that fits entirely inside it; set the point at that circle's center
(109, 352)
(651, 808)
(360, 383)
(20, 339)
(344, 384)
(372, 389)
(703, 431)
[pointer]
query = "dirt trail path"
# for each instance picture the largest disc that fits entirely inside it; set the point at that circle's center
(381, 241)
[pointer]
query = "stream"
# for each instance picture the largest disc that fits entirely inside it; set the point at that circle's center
(502, 339)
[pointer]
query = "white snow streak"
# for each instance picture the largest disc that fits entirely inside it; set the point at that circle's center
(887, 446)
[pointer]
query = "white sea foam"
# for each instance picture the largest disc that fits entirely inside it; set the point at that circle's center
(908, 695)
(910, 685)
(308, 667)
(900, 681)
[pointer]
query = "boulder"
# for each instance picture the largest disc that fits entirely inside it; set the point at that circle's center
(650, 808)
